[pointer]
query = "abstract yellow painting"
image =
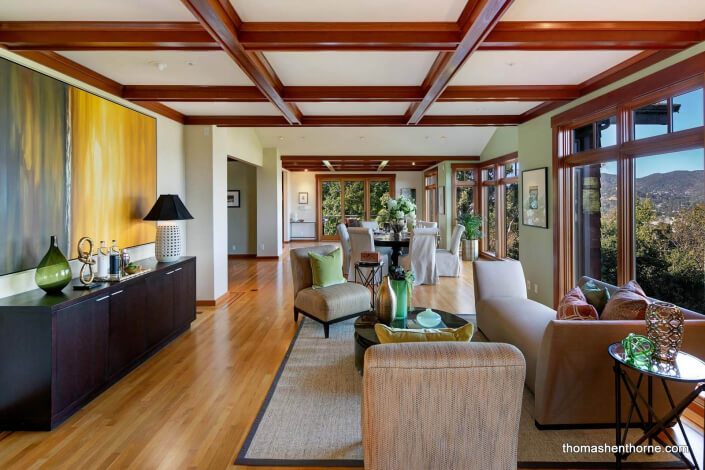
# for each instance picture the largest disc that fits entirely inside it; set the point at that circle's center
(113, 171)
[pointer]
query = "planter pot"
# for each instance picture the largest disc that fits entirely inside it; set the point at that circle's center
(471, 250)
(400, 290)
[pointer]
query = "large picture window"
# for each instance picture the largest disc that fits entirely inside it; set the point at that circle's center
(499, 203)
(630, 188)
(431, 195)
(343, 198)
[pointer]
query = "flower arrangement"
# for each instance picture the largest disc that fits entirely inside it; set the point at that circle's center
(396, 210)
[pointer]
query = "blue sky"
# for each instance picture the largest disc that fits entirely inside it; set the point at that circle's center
(690, 115)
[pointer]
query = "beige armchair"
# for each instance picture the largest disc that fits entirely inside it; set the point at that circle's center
(327, 305)
(441, 406)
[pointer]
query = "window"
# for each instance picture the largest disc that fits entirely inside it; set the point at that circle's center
(463, 191)
(595, 221)
(346, 197)
(669, 227)
(499, 203)
(431, 191)
(634, 209)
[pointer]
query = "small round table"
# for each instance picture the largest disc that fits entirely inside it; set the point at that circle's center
(396, 244)
(372, 278)
(685, 368)
(365, 335)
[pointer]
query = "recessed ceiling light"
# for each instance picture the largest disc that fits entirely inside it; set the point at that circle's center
(443, 137)
(281, 137)
(362, 137)
(305, 169)
(413, 163)
(159, 65)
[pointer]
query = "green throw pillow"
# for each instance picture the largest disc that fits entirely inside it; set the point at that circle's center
(401, 335)
(327, 270)
(596, 296)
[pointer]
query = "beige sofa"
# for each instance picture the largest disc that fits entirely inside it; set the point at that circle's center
(435, 406)
(567, 364)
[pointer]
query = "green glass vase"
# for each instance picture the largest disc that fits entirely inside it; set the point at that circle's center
(53, 272)
(400, 289)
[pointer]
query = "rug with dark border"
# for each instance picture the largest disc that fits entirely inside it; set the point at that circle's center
(311, 415)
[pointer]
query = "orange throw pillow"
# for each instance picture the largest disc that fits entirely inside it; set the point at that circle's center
(628, 303)
(574, 306)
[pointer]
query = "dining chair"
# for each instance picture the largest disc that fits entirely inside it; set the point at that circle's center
(370, 224)
(448, 261)
(362, 239)
(422, 256)
(345, 244)
(422, 224)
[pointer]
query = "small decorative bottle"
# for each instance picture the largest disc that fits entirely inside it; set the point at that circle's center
(114, 262)
(102, 261)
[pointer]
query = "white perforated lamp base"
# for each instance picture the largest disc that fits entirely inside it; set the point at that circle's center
(170, 243)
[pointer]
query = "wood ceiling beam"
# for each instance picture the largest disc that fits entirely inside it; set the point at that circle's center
(592, 35)
(350, 93)
(283, 36)
(221, 21)
(355, 121)
(482, 17)
(391, 158)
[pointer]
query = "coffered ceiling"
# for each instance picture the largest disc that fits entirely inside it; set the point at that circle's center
(460, 67)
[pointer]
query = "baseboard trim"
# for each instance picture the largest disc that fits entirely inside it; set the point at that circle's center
(241, 256)
(213, 303)
(268, 257)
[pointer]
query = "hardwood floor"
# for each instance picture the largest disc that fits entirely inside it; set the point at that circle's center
(192, 404)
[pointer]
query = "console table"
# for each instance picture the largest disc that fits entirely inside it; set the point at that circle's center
(58, 352)
(301, 230)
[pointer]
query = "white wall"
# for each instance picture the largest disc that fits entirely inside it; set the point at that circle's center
(170, 169)
(269, 205)
(238, 142)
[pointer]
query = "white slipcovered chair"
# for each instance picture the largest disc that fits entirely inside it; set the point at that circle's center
(422, 256)
(371, 224)
(422, 224)
(448, 261)
(345, 244)
(361, 239)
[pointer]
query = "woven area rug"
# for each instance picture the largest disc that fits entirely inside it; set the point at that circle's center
(311, 416)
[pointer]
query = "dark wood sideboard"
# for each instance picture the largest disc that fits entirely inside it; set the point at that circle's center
(58, 352)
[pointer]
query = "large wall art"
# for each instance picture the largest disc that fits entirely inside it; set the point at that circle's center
(72, 164)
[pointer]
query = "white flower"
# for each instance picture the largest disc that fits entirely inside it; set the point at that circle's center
(400, 215)
(391, 204)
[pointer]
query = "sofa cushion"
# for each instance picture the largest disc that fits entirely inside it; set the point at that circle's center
(574, 306)
(421, 335)
(516, 321)
(597, 296)
(629, 302)
(333, 302)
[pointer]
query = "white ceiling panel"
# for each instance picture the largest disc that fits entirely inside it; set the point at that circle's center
(606, 10)
(349, 10)
(536, 67)
(353, 109)
(182, 67)
(351, 68)
(94, 10)
(330, 141)
(481, 107)
(223, 109)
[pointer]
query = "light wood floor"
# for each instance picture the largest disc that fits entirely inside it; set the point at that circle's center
(192, 404)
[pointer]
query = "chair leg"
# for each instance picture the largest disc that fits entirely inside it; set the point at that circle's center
(326, 329)
(296, 315)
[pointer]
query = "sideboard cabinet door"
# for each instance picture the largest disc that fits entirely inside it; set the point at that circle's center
(159, 315)
(81, 344)
(184, 294)
(127, 327)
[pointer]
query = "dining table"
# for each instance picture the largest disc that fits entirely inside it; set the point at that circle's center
(395, 242)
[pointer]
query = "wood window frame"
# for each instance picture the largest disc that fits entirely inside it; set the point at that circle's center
(499, 182)
(343, 177)
(428, 174)
(455, 167)
(667, 83)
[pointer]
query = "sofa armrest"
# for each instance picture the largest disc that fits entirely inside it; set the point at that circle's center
(575, 378)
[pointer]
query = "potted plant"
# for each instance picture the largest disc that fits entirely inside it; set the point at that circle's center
(471, 235)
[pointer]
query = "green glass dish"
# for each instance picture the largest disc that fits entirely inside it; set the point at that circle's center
(53, 272)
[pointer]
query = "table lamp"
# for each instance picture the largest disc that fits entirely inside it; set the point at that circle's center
(169, 245)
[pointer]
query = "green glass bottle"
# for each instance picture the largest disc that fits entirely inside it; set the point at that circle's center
(53, 272)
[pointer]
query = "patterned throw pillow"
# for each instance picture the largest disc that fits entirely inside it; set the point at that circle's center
(628, 303)
(574, 306)
(595, 295)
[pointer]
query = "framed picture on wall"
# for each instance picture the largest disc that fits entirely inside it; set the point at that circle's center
(303, 198)
(534, 184)
(234, 198)
(409, 193)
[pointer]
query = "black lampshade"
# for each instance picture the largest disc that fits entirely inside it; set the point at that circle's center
(168, 207)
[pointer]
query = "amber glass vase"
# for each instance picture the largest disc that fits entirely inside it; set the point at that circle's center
(53, 272)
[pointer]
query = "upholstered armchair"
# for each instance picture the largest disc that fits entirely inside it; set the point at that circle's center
(345, 245)
(326, 305)
(442, 406)
(448, 261)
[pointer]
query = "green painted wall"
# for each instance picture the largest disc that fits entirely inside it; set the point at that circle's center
(534, 143)
(505, 140)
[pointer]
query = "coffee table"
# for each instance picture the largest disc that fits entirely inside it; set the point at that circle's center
(365, 335)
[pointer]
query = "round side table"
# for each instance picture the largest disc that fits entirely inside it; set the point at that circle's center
(374, 271)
